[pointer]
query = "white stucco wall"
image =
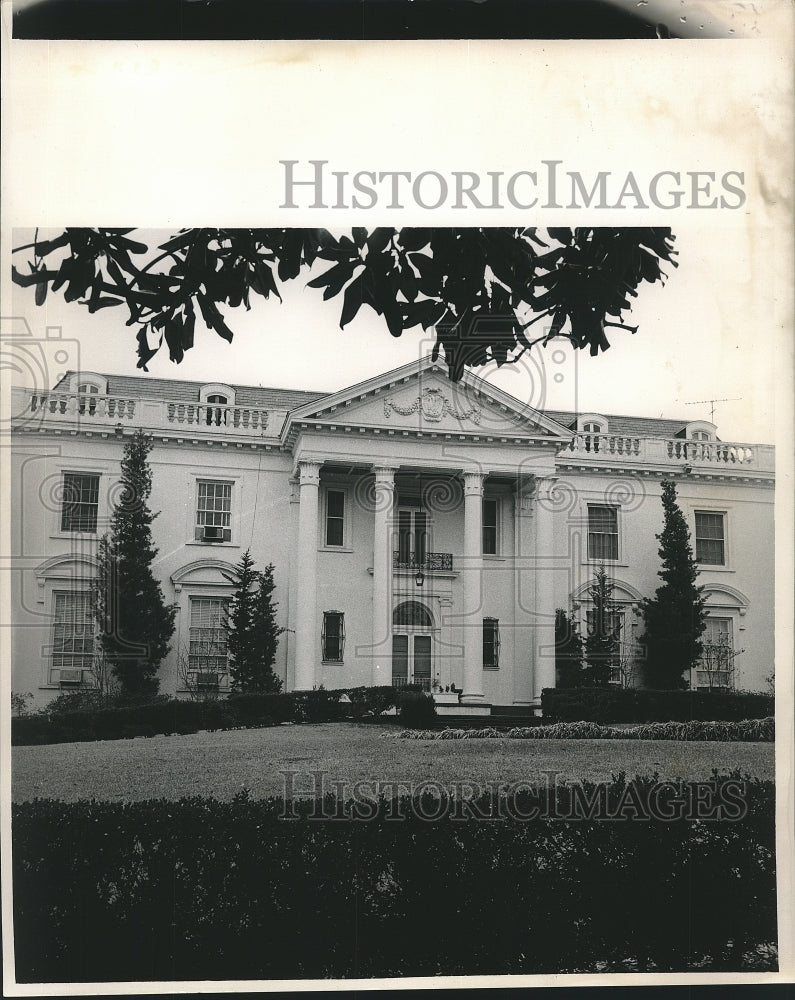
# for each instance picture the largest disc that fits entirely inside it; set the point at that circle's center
(348, 442)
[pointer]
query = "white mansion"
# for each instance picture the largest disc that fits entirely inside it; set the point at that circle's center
(420, 531)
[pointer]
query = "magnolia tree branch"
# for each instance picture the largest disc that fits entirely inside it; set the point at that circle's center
(470, 286)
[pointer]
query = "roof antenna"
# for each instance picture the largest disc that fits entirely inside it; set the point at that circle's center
(712, 402)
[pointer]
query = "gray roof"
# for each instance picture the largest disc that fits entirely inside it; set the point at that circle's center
(266, 398)
(631, 426)
(178, 391)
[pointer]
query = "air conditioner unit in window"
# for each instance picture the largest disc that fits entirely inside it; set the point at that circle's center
(69, 678)
(212, 534)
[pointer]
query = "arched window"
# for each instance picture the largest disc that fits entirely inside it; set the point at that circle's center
(700, 430)
(87, 389)
(87, 385)
(216, 397)
(591, 426)
(216, 415)
(412, 614)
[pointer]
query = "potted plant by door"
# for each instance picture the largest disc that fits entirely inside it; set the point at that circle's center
(448, 696)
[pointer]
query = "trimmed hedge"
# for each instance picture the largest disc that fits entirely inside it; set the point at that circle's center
(643, 705)
(201, 889)
(748, 731)
(416, 709)
(167, 716)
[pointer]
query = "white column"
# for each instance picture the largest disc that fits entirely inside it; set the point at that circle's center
(382, 575)
(544, 645)
(472, 571)
(524, 592)
(307, 627)
(292, 591)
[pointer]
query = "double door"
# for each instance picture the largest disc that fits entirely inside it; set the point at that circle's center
(411, 659)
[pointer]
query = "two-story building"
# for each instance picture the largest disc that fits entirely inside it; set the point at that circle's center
(420, 530)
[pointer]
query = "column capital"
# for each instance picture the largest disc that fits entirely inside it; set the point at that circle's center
(544, 483)
(473, 482)
(309, 472)
(385, 472)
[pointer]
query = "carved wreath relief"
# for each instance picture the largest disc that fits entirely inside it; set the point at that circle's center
(433, 404)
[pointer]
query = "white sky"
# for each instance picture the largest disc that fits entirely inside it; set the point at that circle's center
(706, 334)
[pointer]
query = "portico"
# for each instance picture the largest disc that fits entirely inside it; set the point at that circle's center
(429, 584)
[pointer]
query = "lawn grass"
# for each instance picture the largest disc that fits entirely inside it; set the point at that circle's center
(222, 763)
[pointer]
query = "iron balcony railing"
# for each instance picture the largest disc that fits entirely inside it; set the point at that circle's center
(401, 681)
(432, 561)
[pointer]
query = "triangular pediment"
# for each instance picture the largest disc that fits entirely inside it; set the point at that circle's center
(420, 397)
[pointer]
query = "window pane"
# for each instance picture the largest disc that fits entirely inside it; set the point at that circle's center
(400, 659)
(332, 635)
(490, 642)
(411, 614)
(214, 508)
(336, 503)
(602, 547)
(334, 531)
(602, 518)
(207, 644)
(73, 633)
(709, 552)
(80, 502)
(404, 536)
(490, 527)
(602, 532)
(420, 537)
(710, 538)
(335, 513)
(709, 525)
(422, 659)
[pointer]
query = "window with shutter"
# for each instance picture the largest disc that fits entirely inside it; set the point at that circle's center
(332, 639)
(491, 643)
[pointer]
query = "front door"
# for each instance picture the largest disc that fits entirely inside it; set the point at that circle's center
(411, 659)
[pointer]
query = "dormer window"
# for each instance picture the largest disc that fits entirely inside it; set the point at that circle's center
(700, 430)
(216, 415)
(217, 398)
(88, 384)
(591, 423)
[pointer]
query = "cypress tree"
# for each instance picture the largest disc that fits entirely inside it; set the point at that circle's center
(674, 617)
(134, 623)
(253, 634)
(568, 651)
